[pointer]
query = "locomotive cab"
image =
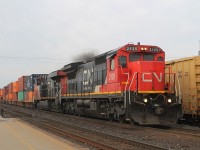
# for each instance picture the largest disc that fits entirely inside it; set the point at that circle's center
(150, 95)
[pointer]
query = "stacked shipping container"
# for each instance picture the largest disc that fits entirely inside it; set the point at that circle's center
(21, 88)
(30, 82)
(5, 92)
(1, 94)
(15, 91)
(10, 92)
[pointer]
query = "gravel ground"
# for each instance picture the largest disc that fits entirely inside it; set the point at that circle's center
(155, 137)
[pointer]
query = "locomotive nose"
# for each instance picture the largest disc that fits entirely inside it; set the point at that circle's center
(158, 110)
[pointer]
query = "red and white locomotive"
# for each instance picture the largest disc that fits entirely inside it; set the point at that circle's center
(127, 83)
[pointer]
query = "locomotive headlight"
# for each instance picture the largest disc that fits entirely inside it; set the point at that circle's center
(169, 100)
(143, 49)
(145, 100)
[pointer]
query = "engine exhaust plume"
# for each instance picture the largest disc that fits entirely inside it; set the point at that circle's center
(85, 57)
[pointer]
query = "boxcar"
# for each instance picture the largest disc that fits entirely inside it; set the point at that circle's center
(188, 79)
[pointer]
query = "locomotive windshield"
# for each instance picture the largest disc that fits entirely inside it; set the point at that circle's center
(134, 57)
(148, 57)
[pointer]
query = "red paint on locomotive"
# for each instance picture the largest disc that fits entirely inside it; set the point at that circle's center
(138, 75)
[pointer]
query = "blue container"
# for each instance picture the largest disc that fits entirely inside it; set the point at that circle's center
(34, 79)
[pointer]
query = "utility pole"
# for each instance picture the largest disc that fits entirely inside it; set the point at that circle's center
(199, 48)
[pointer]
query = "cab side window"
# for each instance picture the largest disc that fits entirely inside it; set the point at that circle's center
(160, 58)
(122, 61)
(112, 64)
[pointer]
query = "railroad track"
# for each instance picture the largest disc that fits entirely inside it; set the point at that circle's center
(146, 134)
(175, 130)
(93, 138)
(193, 134)
(189, 133)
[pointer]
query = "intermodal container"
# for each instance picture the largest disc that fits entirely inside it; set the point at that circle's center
(4, 97)
(21, 96)
(5, 91)
(15, 96)
(36, 92)
(15, 87)
(21, 83)
(1, 92)
(10, 97)
(10, 88)
(187, 82)
(29, 96)
(7, 97)
(34, 79)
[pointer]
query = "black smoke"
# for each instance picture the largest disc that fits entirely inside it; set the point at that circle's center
(85, 57)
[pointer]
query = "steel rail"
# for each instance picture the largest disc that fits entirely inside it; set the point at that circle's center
(115, 140)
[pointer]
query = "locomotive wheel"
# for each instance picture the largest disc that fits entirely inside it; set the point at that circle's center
(71, 111)
(198, 122)
(121, 118)
(115, 115)
(111, 117)
(132, 122)
(35, 105)
(63, 110)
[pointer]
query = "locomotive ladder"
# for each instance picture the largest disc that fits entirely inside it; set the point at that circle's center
(127, 98)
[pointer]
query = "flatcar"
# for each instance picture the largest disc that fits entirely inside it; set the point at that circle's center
(129, 83)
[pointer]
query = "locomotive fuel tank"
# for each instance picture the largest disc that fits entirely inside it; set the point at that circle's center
(86, 103)
(79, 102)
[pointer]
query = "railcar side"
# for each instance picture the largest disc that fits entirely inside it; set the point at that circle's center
(188, 74)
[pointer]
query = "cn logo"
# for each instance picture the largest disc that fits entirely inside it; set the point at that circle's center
(146, 77)
(112, 76)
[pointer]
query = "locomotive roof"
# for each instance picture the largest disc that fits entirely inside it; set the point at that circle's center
(56, 74)
(71, 67)
(112, 52)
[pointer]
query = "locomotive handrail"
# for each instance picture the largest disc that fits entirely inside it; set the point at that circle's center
(126, 89)
(176, 90)
(130, 86)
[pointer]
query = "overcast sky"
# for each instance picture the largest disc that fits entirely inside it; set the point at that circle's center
(58, 30)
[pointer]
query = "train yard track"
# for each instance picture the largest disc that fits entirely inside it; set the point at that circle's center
(124, 137)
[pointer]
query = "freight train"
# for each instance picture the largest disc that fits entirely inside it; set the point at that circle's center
(129, 83)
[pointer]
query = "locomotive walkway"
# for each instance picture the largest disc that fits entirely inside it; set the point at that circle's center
(15, 134)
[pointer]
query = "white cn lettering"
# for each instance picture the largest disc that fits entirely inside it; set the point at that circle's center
(159, 79)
